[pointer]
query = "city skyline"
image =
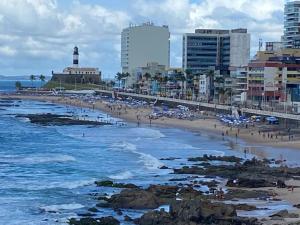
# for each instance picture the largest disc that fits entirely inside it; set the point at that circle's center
(41, 36)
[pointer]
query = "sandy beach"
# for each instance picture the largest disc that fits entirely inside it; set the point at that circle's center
(250, 135)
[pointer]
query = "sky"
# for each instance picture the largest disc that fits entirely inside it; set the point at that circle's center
(38, 36)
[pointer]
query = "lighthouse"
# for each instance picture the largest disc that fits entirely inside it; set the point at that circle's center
(75, 57)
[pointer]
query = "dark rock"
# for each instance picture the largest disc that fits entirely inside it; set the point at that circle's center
(169, 159)
(58, 120)
(94, 221)
(199, 210)
(155, 217)
(86, 214)
(205, 157)
(93, 209)
(118, 211)
(250, 183)
(163, 193)
(284, 214)
(134, 199)
(108, 183)
(244, 194)
(244, 207)
(128, 218)
(195, 212)
(164, 168)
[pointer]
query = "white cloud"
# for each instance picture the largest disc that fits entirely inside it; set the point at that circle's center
(44, 32)
(7, 51)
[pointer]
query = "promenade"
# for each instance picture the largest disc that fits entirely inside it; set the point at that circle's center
(212, 107)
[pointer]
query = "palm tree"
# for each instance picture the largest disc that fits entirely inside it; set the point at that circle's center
(18, 85)
(221, 92)
(32, 78)
(147, 76)
(156, 78)
(211, 76)
(219, 81)
(180, 77)
(228, 93)
(119, 78)
(42, 79)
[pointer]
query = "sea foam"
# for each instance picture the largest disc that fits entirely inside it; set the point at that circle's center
(36, 159)
(57, 208)
(121, 176)
(149, 161)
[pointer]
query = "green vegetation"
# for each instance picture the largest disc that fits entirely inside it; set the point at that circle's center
(57, 85)
(32, 78)
(18, 85)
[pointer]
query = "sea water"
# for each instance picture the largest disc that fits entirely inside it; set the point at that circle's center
(47, 173)
(8, 86)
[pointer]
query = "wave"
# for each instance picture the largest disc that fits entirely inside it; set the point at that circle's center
(66, 185)
(213, 152)
(148, 133)
(149, 161)
(36, 159)
(57, 208)
(122, 176)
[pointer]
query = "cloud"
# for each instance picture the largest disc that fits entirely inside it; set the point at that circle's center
(35, 30)
(7, 51)
(37, 36)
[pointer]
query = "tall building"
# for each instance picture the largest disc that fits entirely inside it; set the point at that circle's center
(143, 44)
(291, 35)
(215, 49)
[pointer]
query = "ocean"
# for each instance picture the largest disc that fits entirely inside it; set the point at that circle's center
(10, 85)
(47, 173)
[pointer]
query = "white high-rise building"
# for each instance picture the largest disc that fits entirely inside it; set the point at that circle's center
(291, 37)
(143, 44)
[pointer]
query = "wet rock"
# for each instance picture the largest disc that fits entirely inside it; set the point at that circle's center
(164, 168)
(118, 211)
(205, 157)
(108, 183)
(155, 217)
(244, 207)
(128, 218)
(134, 199)
(189, 193)
(86, 214)
(284, 214)
(249, 183)
(169, 159)
(195, 212)
(163, 193)
(94, 221)
(244, 194)
(93, 209)
(58, 120)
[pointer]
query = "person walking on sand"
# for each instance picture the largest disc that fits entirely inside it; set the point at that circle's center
(245, 152)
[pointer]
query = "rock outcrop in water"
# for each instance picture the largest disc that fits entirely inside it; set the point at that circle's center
(195, 212)
(251, 174)
(59, 120)
(94, 221)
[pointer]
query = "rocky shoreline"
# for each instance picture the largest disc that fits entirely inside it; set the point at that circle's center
(49, 119)
(190, 206)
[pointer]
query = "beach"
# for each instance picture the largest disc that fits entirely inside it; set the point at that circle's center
(210, 124)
